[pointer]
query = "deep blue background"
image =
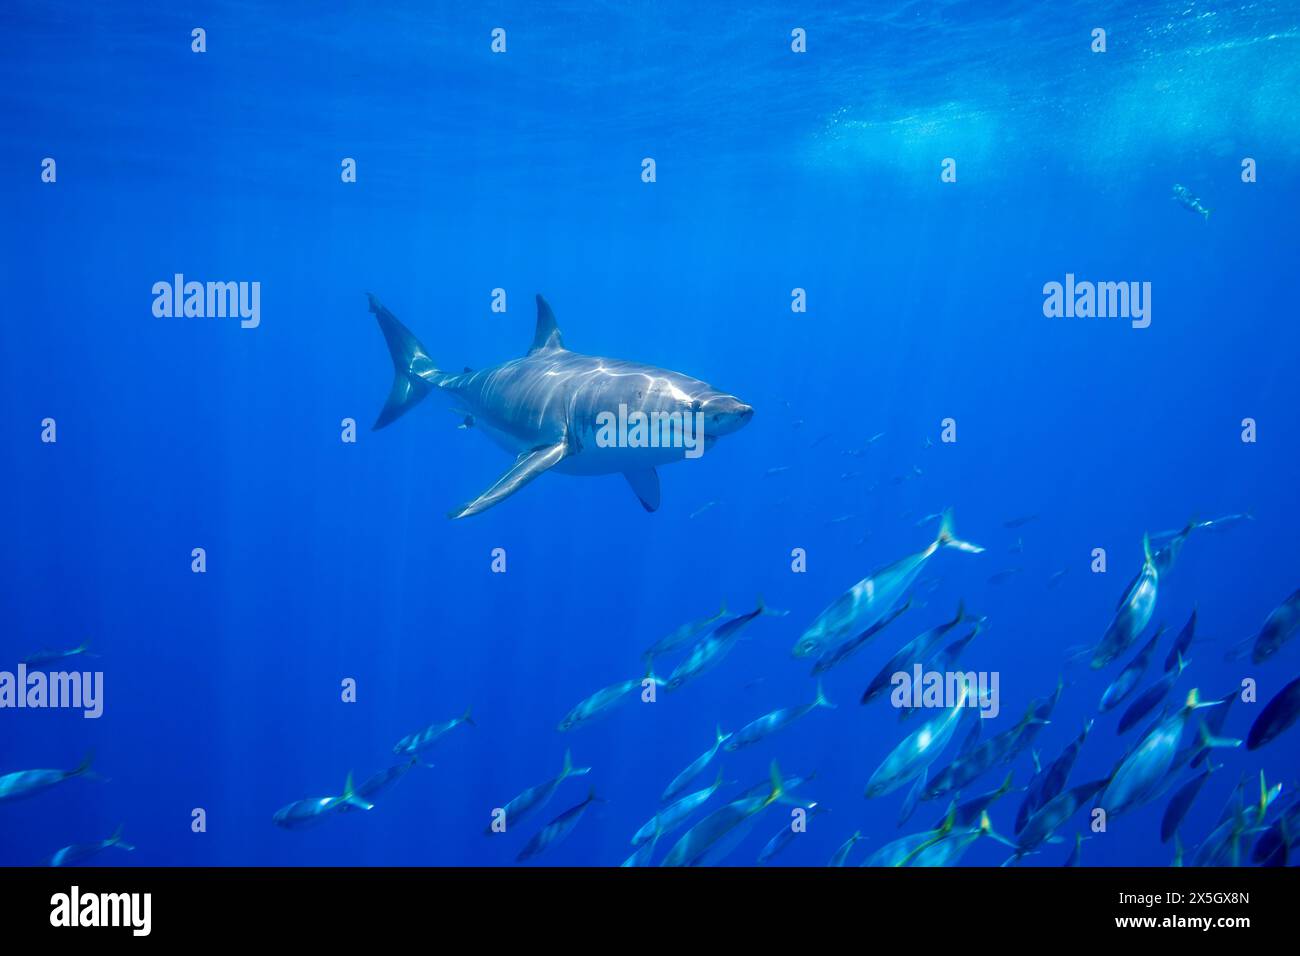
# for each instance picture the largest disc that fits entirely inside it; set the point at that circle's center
(522, 171)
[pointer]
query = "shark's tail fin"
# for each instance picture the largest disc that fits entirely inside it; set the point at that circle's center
(414, 373)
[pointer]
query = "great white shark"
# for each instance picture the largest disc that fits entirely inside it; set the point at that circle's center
(551, 408)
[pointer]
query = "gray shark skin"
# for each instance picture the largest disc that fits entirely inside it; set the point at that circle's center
(543, 408)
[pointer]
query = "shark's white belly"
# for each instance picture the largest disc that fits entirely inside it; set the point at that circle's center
(593, 459)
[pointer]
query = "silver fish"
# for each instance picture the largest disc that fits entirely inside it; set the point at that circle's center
(912, 652)
(763, 727)
(710, 651)
(1133, 613)
(1280, 627)
(1050, 782)
(642, 855)
(683, 635)
(1151, 698)
(1051, 816)
(695, 768)
(534, 798)
(1128, 678)
(603, 701)
(1181, 802)
(873, 597)
(919, 749)
(26, 783)
(949, 850)
(1182, 642)
(1183, 196)
(785, 836)
(380, 784)
(1167, 554)
(710, 839)
(415, 744)
(1140, 774)
(80, 852)
(675, 814)
(1278, 715)
(557, 829)
(842, 854)
(841, 652)
(900, 852)
(968, 813)
(1225, 846)
(50, 657)
(308, 812)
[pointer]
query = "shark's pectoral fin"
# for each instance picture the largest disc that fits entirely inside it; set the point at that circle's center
(526, 467)
(645, 483)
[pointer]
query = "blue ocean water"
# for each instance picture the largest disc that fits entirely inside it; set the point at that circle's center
(330, 561)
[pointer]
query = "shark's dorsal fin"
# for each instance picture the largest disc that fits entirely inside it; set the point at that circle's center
(547, 335)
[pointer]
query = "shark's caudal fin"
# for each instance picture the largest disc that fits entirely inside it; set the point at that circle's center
(413, 370)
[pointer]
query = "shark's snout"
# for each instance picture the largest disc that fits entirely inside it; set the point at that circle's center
(724, 414)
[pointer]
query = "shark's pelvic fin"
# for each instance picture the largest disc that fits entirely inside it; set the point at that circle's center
(414, 373)
(547, 335)
(526, 467)
(645, 484)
